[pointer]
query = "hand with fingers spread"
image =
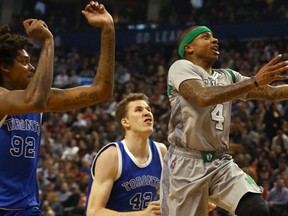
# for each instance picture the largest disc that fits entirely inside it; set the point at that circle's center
(272, 71)
(37, 29)
(97, 15)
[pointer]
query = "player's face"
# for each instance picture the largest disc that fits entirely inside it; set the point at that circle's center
(205, 46)
(140, 118)
(21, 71)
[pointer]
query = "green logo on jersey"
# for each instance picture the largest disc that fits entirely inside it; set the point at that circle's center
(250, 180)
(169, 89)
(208, 156)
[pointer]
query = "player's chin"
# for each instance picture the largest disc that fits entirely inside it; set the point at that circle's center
(215, 56)
(29, 79)
(151, 127)
(213, 59)
(149, 130)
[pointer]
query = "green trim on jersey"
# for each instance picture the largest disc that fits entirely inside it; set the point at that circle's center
(169, 89)
(231, 74)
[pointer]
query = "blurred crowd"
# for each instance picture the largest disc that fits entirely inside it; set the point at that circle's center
(66, 16)
(259, 130)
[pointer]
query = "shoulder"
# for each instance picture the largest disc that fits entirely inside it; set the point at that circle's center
(2, 89)
(162, 147)
(235, 76)
(2, 119)
(107, 159)
(181, 63)
(109, 151)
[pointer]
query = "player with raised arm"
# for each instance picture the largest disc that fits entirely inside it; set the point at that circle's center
(196, 167)
(25, 93)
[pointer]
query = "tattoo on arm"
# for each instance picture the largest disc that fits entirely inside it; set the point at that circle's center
(272, 93)
(196, 91)
(69, 99)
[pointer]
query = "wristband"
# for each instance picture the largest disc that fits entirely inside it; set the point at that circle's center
(254, 81)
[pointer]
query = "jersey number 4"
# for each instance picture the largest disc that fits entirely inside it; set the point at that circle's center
(140, 201)
(25, 147)
(218, 117)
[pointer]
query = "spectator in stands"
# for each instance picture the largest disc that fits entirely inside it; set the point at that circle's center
(278, 198)
(281, 171)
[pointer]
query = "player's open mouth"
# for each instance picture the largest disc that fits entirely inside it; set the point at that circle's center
(148, 120)
(215, 49)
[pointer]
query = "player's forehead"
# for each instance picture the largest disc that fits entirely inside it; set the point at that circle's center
(204, 34)
(137, 103)
(22, 54)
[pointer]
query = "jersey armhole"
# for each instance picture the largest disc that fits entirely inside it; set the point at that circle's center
(159, 152)
(231, 74)
(102, 150)
(2, 120)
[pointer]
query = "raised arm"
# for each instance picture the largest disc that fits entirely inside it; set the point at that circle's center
(39, 88)
(270, 93)
(197, 92)
(103, 83)
(24, 89)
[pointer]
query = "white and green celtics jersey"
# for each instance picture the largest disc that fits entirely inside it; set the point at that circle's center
(192, 126)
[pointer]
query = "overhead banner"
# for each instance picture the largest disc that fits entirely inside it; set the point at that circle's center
(169, 35)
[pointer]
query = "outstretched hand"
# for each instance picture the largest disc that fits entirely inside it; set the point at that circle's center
(97, 15)
(37, 29)
(272, 71)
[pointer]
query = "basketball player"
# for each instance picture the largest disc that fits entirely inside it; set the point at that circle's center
(196, 169)
(126, 174)
(25, 93)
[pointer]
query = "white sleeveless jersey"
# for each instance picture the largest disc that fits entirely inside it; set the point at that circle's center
(192, 126)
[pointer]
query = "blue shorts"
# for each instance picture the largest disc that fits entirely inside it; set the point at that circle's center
(33, 211)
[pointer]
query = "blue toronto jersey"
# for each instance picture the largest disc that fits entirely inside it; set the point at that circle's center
(137, 185)
(20, 142)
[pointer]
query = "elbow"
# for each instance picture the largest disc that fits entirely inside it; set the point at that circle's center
(93, 211)
(108, 96)
(204, 102)
(37, 105)
(106, 93)
(104, 97)
(202, 99)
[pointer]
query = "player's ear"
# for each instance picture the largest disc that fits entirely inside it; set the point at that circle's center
(125, 122)
(4, 68)
(188, 48)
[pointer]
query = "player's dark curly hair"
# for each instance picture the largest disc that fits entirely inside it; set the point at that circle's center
(10, 44)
